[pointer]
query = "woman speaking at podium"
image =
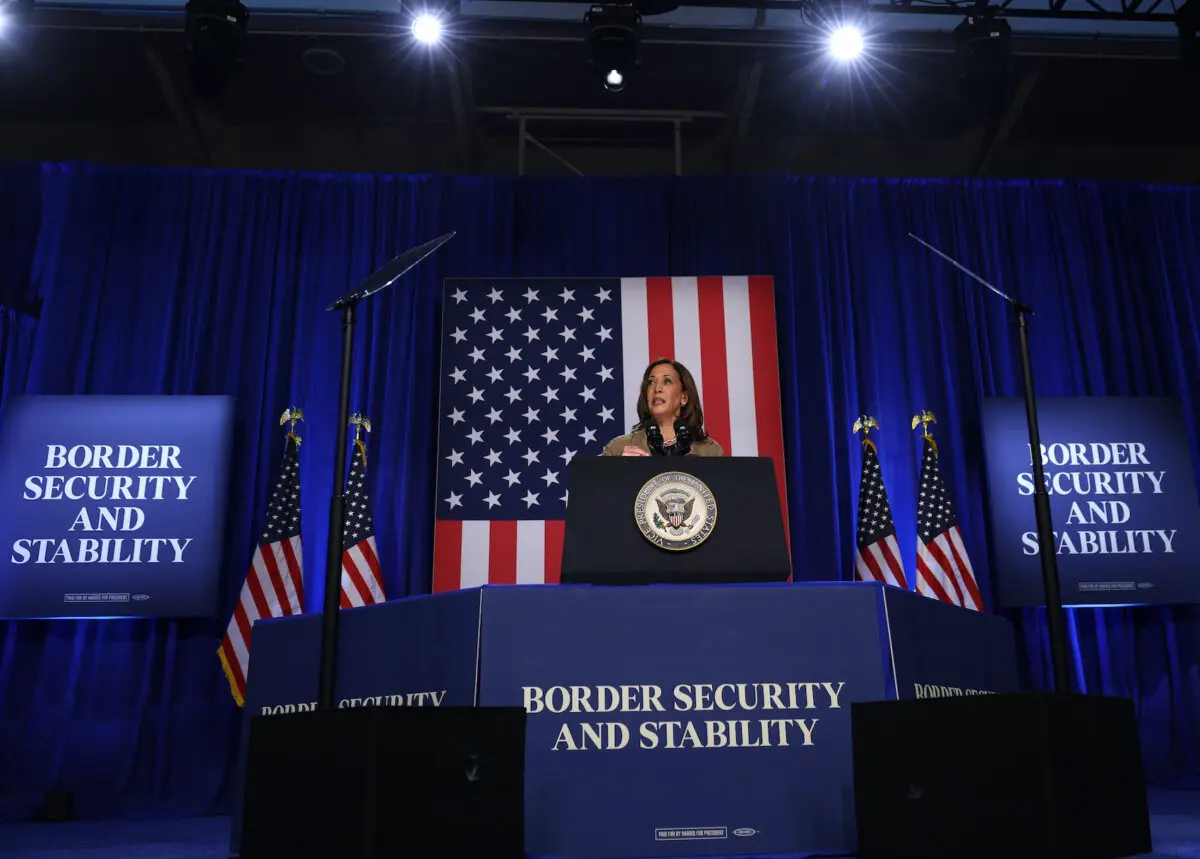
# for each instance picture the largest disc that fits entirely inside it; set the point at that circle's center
(670, 419)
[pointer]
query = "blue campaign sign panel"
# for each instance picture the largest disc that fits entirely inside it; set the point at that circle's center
(113, 506)
(1123, 500)
(940, 650)
(418, 652)
(685, 720)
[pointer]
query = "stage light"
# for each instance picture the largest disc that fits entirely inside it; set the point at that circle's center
(614, 43)
(982, 42)
(215, 31)
(427, 29)
(846, 43)
(1187, 20)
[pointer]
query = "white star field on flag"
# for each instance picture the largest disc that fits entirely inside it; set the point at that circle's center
(877, 555)
(874, 511)
(532, 379)
(283, 513)
(935, 514)
(360, 524)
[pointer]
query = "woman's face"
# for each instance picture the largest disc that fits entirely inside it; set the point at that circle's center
(664, 392)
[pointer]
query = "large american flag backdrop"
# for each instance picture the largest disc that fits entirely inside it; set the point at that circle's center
(538, 371)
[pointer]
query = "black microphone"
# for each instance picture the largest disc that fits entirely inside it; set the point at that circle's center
(654, 436)
(683, 439)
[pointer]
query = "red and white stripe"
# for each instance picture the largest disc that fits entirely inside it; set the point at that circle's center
(274, 587)
(880, 562)
(723, 330)
(362, 583)
(944, 571)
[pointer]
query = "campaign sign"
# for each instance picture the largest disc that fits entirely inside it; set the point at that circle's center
(684, 720)
(1123, 500)
(940, 650)
(113, 506)
(417, 652)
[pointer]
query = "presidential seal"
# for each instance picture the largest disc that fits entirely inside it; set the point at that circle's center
(675, 511)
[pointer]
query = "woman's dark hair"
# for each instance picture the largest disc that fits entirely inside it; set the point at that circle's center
(691, 412)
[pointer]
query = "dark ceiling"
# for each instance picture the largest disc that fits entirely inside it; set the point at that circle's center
(66, 73)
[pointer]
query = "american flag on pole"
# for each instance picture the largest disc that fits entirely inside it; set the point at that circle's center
(943, 568)
(877, 554)
(274, 585)
(362, 583)
(538, 371)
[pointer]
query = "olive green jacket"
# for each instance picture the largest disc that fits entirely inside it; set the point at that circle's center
(637, 438)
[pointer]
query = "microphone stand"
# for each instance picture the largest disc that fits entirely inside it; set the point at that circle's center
(1055, 617)
(331, 611)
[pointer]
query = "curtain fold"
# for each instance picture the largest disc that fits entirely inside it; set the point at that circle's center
(201, 282)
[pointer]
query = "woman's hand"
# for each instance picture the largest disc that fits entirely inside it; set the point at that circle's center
(633, 450)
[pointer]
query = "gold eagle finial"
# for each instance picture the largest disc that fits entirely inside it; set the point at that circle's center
(923, 419)
(865, 424)
(291, 416)
(360, 422)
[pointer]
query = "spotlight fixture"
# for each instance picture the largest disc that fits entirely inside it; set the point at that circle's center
(1187, 19)
(215, 31)
(840, 24)
(427, 28)
(846, 43)
(982, 43)
(614, 42)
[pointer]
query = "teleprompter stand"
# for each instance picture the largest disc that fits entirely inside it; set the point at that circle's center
(366, 783)
(1055, 619)
(1044, 775)
(348, 304)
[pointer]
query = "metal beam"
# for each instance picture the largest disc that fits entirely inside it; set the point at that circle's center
(526, 137)
(182, 110)
(998, 131)
(678, 148)
(462, 103)
(733, 134)
(745, 108)
(1054, 8)
(601, 114)
(295, 24)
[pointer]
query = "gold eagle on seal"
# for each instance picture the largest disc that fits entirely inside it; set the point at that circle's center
(676, 511)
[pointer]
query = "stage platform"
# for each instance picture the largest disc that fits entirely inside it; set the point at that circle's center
(1174, 821)
(664, 721)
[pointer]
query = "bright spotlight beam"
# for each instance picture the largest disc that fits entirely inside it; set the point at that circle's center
(845, 43)
(427, 29)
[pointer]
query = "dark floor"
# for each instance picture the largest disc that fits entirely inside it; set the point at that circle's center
(1175, 821)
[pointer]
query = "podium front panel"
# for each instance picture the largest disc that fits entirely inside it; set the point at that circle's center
(602, 542)
(685, 720)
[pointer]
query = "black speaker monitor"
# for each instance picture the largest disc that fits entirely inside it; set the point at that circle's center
(1039, 776)
(376, 782)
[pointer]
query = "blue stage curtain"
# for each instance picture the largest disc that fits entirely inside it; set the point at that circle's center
(17, 332)
(167, 281)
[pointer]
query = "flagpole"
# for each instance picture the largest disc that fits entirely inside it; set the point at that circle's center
(1055, 616)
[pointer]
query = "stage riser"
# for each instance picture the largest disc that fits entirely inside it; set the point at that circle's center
(658, 775)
